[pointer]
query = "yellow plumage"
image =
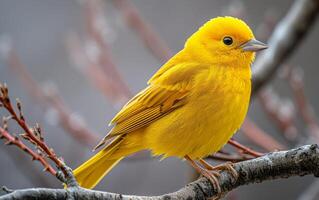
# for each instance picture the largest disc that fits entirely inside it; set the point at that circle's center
(192, 106)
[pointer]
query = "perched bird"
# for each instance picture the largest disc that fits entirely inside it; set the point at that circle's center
(192, 105)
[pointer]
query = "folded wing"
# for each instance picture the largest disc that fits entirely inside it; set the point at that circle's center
(166, 92)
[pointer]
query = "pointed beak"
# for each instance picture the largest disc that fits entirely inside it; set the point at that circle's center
(253, 45)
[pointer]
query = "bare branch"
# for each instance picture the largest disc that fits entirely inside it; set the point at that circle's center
(296, 162)
(230, 157)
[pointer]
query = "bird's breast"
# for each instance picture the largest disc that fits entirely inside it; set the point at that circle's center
(218, 109)
(215, 109)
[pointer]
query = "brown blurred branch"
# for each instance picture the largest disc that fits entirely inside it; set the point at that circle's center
(144, 30)
(287, 35)
(296, 162)
(278, 112)
(272, 104)
(220, 156)
(259, 137)
(93, 14)
(95, 58)
(51, 99)
(93, 72)
(295, 78)
(244, 148)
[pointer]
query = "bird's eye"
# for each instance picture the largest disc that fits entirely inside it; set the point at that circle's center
(228, 40)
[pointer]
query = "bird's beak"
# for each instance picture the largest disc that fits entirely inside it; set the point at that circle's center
(253, 45)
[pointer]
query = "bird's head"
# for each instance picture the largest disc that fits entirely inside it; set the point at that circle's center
(225, 40)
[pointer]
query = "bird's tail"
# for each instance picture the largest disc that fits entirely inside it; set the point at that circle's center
(90, 173)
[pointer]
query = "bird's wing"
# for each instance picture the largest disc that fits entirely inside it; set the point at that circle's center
(164, 94)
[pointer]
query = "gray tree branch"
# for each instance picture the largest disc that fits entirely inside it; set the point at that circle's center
(286, 36)
(283, 164)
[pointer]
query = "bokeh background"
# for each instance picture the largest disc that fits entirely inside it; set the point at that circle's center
(40, 31)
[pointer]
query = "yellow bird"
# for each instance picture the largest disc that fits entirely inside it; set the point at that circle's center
(192, 105)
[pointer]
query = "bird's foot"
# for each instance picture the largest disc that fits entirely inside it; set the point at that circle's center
(229, 167)
(212, 176)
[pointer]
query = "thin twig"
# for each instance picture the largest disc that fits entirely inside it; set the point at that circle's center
(259, 137)
(230, 157)
(13, 140)
(244, 148)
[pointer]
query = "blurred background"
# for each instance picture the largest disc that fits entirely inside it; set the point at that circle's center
(87, 58)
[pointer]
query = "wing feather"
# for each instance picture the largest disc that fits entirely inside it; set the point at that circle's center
(167, 92)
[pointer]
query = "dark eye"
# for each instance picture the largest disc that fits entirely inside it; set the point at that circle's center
(228, 40)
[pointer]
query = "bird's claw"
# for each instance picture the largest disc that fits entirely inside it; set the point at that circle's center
(212, 176)
(229, 167)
